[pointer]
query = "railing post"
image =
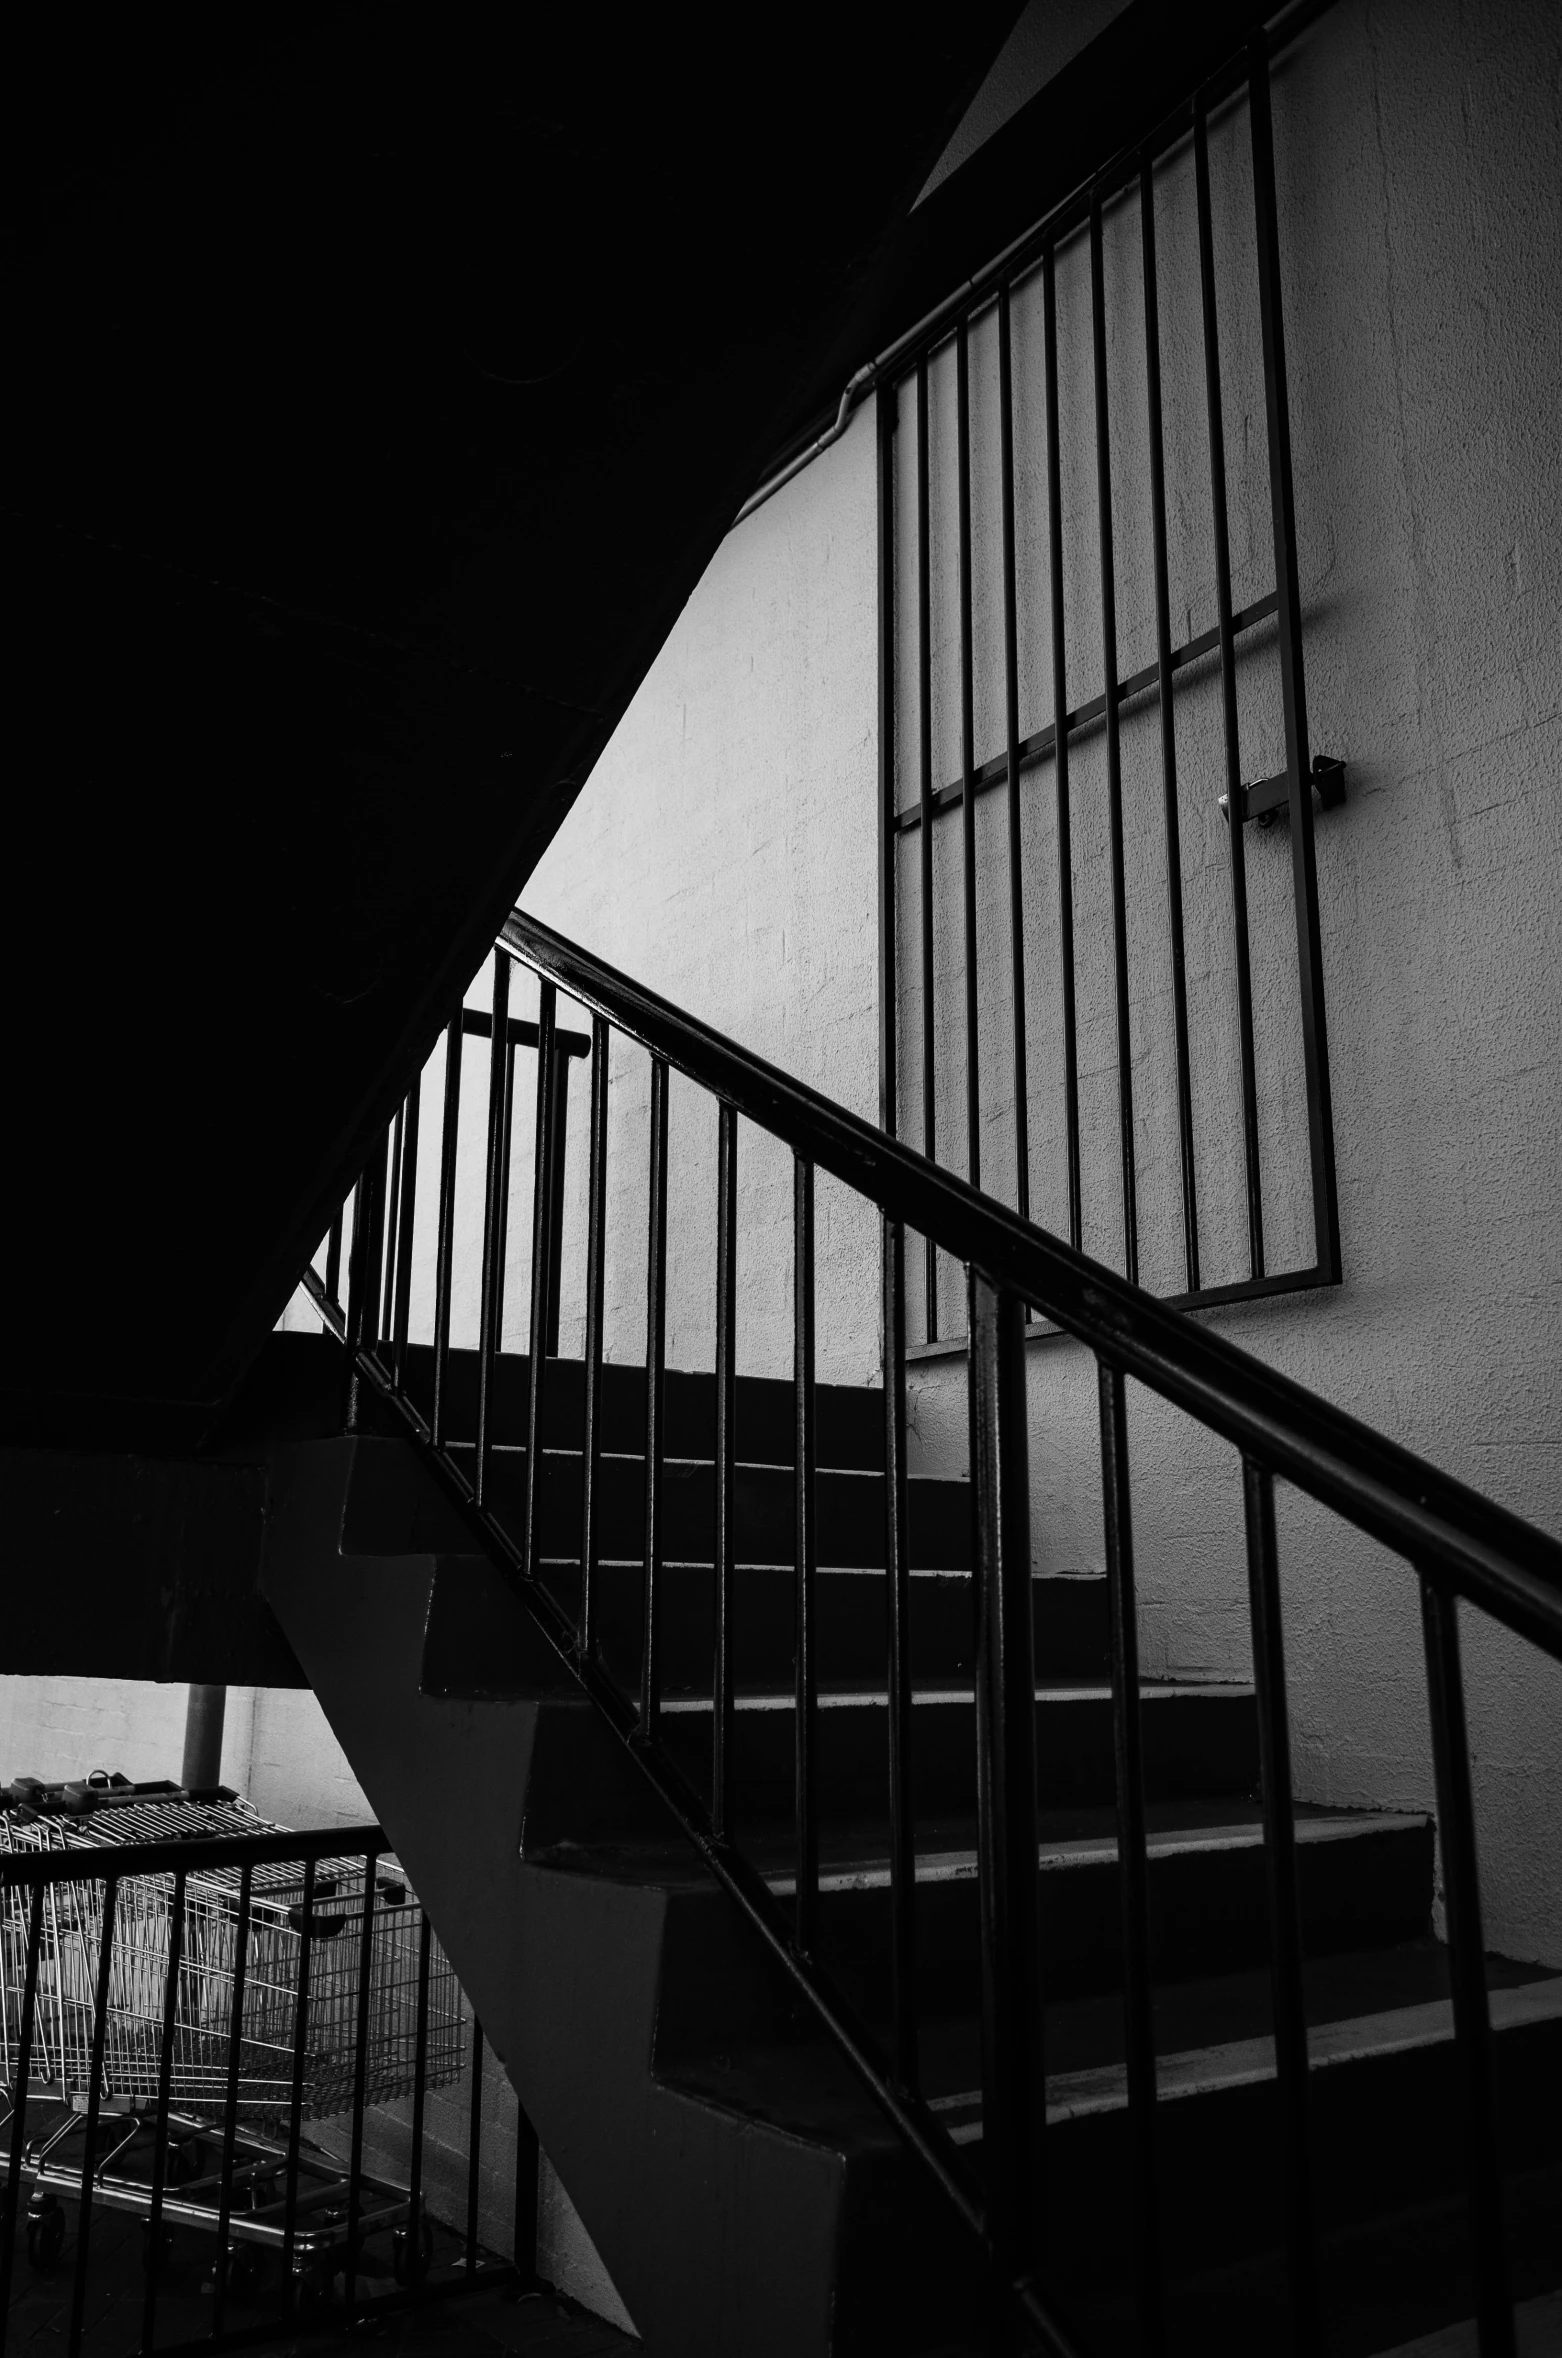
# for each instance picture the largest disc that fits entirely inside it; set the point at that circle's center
(544, 1307)
(1013, 2095)
(1472, 2012)
(495, 1216)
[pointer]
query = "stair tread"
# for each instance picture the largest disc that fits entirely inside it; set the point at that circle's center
(1068, 1690)
(855, 1857)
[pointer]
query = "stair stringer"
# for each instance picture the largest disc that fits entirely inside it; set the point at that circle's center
(721, 2232)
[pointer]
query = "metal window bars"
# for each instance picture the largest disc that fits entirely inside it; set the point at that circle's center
(1074, 556)
(174, 2009)
(1458, 1544)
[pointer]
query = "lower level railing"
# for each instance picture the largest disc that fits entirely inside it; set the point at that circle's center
(1456, 1544)
(242, 2091)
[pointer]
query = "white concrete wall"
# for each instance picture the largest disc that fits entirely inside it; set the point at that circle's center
(724, 851)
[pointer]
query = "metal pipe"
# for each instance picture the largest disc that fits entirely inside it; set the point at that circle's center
(203, 1717)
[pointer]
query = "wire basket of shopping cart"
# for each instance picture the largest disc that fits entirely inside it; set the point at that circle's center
(290, 2041)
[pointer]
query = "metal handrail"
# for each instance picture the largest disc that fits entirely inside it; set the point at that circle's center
(1499, 1561)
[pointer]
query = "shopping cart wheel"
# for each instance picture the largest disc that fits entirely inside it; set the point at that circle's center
(312, 2288)
(186, 2159)
(242, 2281)
(412, 2255)
(45, 2238)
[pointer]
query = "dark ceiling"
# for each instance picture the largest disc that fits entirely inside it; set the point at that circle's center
(380, 381)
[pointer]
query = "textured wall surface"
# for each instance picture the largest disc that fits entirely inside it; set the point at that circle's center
(724, 852)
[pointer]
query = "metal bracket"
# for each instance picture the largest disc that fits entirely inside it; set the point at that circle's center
(1268, 796)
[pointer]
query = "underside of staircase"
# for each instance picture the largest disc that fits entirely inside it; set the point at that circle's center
(743, 2187)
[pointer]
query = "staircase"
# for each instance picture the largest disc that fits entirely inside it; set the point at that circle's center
(744, 2189)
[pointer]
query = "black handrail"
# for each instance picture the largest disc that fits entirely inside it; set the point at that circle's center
(1492, 1556)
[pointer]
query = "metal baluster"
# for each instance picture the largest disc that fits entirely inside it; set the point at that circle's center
(502, 1248)
(419, 2101)
(385, 1300)
(1114, 753)
(1060, 725)
(1285, 1931)
(165, 2064)
(1013, 2093)
(973, 1115)
(544, 1177)
(655, 1386)
(474, 2146)
(556, 1181)
(495, 1212)
(333, 1259)
(23, 2068)
(361, 1282)
(897, 1564)
(1293, 696)
(925, 807)
(886, 410)
(296, 2102)
(404, 1234)
(360, 2081)
(722, 1762)
(1228, 695)
(230, 2117)
(591, 1438)
(450, 1133)
(805, 1924)
(1163, 666)
(1467, 1959)
(1132, 1865)
(90, 2125)
(1011, 709)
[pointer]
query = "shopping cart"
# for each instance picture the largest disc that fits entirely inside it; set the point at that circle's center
(291, 2059)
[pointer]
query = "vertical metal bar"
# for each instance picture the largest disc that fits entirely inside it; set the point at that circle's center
(556, 1179)
(495, 1210)
(333, 1258)
(543, 1176)
(385, 1322)
(1293, 693)
(450, 1134)
(1466, 1956)
(230, 2116)
(1011, 714)
(1132, 1867)
(296, 2100)
(973, 1089)
(1168, 719)
(503, 1245)
(474, 2146)
(165, 2063)
(90, 2124)
(897, 1565)
(1013, 2100)
(1060, 723)
(805, 1923)
(362, 1281)
(360, 2081)
(925, 806)
(591, 1436)
(655, 1385)
(1114, 752)
(419, 2093)
(886, 406)
(24, 2055)
(1285, 1930)
(1228, 694)
(404, 1234)
(722, 1765)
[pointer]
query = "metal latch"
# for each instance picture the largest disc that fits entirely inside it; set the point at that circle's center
(1267, 796)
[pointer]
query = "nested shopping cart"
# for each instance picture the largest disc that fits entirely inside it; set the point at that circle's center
(304, 2037)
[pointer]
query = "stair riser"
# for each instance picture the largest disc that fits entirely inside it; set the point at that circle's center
(851, 1421)
(850, 1510)
(1194, 1743)
(1069, 1622)
(1387, 2130)
(1209, 1914)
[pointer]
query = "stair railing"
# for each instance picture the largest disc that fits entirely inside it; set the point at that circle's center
(1459, 1545)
